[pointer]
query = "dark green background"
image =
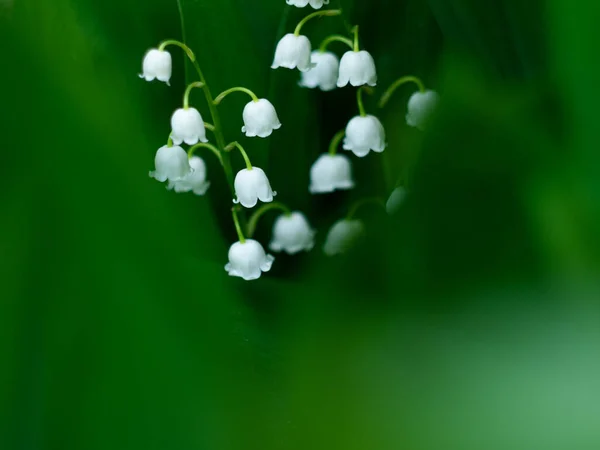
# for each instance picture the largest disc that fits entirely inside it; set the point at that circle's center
(470, 320)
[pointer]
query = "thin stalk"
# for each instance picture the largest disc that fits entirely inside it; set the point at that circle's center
(396, 84)
(253, 222)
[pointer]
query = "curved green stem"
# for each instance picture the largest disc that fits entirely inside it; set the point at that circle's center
(224, 94)
(365, 201)
(356, 43)
(188, 90)
(209, 126)
(359, 99)
(238, 228)
(327, 12)
(216, 119)
(396, 84)
(211, 147)
(181, 45)
(335, 142)
(335, 38)
(235, 144)
(253, 222)
(170, 141)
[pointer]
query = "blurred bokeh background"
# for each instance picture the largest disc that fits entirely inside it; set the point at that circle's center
(469, 320)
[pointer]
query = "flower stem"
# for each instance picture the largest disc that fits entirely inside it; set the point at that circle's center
(396, 84)
(224, 94)
(334, 38)
(253, 222)
(209, 126)
(170, 141)
(238, 228)
(185, 48)
(335, 142)
(362, 202)
(211, 147)
(356, 43)
(235, 144)
(328, 12)
(359, 99)
(188, 90)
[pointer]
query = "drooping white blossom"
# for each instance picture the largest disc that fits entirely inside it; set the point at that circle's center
(330, 172)
(364, 134)
(324, 74)
(195, 181)
(260, 118)
(357, 68)
(421, 106)
(157, 64)
(293, 52)
(187, 126)
(251, 186)
(248, 260)
(395, 200)
(302, 3)
(292, 233)
(171, 163)
(342, 236)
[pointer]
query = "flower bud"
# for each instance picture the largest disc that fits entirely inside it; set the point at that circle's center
(251, 186)
(293, 51)
(342, 236)
(357, 68)
(248, 260)
(421, 106)
(316, 4)
(396, 200)
(292, 233)
(171, 164)
(364, 134)
(187, 126)
(324, 74)
(194, 181)
(260, 118)
(330, 172)
(157, 64)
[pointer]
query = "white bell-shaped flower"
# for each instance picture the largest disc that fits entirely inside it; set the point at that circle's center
(194, 181)
(187, 126)
(293, 52)
(330, 172)
(292, 233)
(357, 68)
(421, 106)
(157, 64)
(302, 3)
(248, 260)
(260, 118)
(342, 236)
(395, 200)
(324, 74)
(364, 134)
(171, 164)
(251, 186)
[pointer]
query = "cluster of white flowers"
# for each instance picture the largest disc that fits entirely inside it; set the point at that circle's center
(292, 233)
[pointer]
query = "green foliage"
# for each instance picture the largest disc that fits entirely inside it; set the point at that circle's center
(467, 321)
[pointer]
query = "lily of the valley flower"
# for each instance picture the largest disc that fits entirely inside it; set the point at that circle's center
(248, 260)
(357, 68)
(171, 163)
(293, 52)
(194, 181)
(302, 3)
(187, 126)
(342, 236)
(292, 233)
(364, 134)
(324, 74)
(330, 172)
(395, 200)
(252, 185)
(260, 118)
(421, 106)
(157, 64)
